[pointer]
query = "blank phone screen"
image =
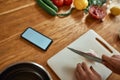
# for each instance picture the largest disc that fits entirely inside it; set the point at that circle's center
(37, 38)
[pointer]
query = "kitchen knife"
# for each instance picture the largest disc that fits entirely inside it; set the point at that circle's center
(86, 55)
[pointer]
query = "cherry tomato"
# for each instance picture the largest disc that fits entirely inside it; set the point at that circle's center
(68, 2)
(58, 3)
(97, 12)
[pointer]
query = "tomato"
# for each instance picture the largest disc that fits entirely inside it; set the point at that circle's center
(68, 2)
(97, 12)
(58, 3)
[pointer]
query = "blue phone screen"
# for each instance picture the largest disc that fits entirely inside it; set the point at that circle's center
(37, 38)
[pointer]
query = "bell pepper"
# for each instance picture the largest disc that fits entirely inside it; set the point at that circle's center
(80, 4)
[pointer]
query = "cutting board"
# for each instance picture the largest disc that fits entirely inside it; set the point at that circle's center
(65, 61)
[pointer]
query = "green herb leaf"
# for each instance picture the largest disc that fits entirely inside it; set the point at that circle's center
(94, 2)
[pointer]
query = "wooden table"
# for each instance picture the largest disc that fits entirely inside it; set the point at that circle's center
(17, 15)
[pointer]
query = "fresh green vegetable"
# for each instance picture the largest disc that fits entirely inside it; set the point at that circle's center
(66, 13)
(94, 2)
(46, 7)
(50, 8)
(50, 3)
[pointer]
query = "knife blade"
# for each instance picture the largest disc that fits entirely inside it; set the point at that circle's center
(86, 55)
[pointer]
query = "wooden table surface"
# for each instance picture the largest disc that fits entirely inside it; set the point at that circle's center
(17, 15)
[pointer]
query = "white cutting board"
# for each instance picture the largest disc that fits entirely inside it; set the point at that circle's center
(65, 61)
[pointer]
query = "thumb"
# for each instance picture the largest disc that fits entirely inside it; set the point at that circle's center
(107, 61)
(105, 58)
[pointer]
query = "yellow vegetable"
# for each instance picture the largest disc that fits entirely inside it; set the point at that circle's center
(115, 10)
(80, 4)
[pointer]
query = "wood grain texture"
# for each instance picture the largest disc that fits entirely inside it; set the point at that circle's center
(17, 15)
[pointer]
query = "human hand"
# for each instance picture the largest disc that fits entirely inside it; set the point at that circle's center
(83, 72)
(113, 63)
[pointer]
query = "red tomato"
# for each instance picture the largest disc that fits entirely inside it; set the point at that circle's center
(58, 3)
(68, 2)
(97, 12)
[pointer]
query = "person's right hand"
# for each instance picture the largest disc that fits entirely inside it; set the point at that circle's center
(113, 63)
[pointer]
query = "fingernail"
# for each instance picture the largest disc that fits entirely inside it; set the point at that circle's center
(104, 57)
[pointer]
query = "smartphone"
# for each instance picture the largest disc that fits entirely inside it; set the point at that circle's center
(36, 38)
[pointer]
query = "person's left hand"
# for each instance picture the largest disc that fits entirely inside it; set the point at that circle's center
(83, 72)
